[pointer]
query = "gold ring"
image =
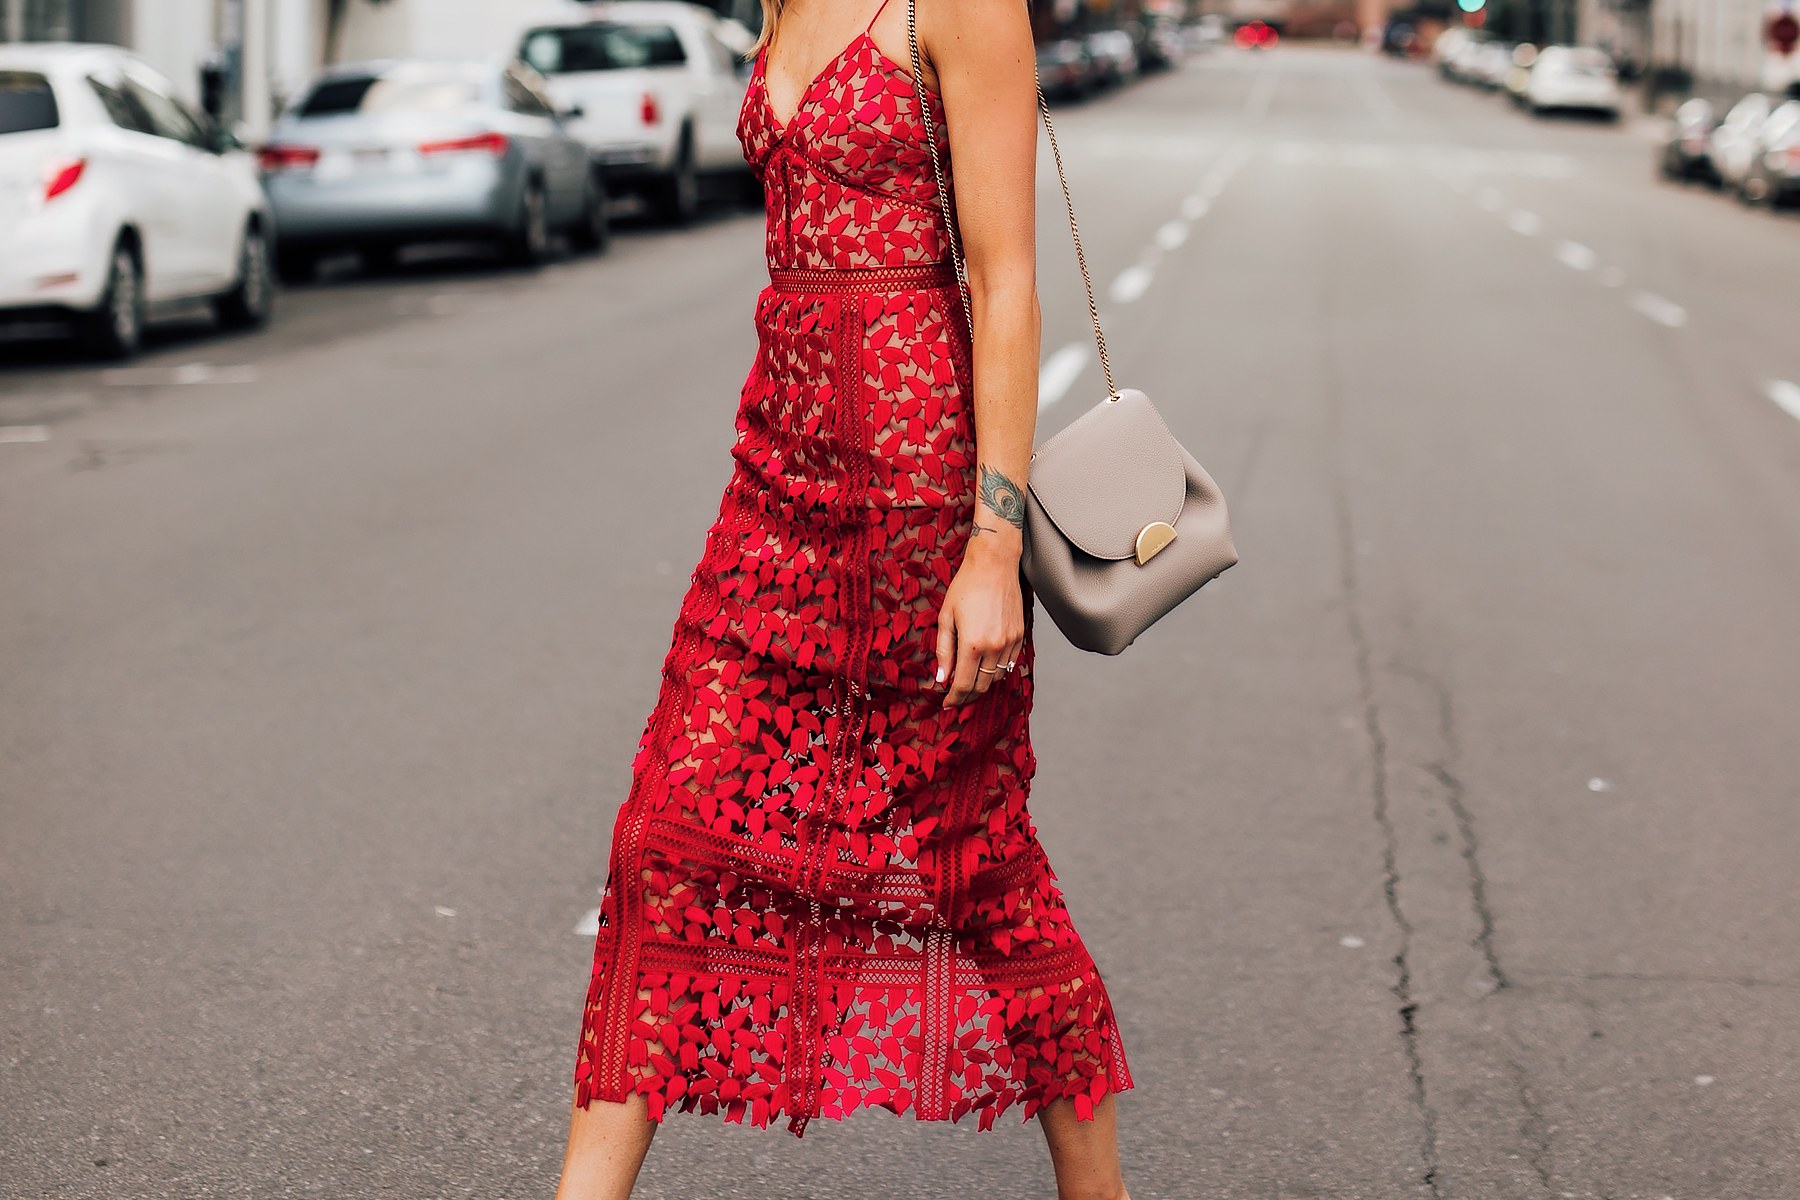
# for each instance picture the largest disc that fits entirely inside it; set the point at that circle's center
(987, 670)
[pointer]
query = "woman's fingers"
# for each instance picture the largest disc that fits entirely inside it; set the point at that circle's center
(946, 646)
(963, 683)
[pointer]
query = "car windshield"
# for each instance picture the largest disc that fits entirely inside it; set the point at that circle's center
(408, 91)
(602, 46)
(26, 102)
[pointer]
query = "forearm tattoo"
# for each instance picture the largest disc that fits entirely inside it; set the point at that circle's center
(1003, 496)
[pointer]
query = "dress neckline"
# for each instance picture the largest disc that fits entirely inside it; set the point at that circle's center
(783, 128)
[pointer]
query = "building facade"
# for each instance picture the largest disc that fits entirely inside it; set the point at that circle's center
(1725, 45)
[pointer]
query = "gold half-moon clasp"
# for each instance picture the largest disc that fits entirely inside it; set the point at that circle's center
(1153, 539)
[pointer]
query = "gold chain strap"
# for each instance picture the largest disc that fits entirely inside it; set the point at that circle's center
(937, 170)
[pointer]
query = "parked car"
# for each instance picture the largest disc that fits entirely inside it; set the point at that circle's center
(1459, 63)
(375, 156)
(1158, 43)
(1684, 155)
(1208, 33)
(1065, 69)
(1446, 46)
(1573, 78)
(1733, 143)
(1489, 64)
(1774, 173)
(1115, 61)
(1518, 77)
(114, 196)
(659, 85)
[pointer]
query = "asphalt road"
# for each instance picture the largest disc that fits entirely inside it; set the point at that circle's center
(1446, 847)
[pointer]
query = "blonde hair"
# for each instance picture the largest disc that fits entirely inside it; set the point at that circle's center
(771, 18)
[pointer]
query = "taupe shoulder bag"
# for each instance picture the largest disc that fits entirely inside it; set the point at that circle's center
(1121, 523)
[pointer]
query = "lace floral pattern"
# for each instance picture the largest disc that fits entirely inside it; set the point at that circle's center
(825, 891)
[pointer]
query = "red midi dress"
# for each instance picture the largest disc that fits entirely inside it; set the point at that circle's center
(825, 891)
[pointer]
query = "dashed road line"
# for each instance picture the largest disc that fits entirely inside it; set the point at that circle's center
(1576, 256)
(24, 433)
(1132, 283)
(1786, 396)
(1663, 311)
(1171, 235)
(1059, 373)
(1523, 221)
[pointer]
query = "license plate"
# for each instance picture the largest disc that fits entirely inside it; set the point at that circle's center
(344, 164)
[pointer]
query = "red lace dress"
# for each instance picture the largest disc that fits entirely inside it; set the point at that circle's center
(825, 890)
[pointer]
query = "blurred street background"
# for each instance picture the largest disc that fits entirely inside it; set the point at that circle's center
(1444, 848)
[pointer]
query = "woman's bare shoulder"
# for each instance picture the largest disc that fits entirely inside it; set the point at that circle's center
(976, 29)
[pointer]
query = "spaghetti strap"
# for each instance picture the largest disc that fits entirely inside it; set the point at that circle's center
(876, 17)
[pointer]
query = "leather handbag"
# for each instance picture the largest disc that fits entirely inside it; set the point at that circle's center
(1121, 524)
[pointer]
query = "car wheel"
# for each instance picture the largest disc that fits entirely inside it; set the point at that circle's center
(247, 304)
(1753, 190)
(529, 240)
(593, 228)
(295, 265)
(677, 198)
(115, 328)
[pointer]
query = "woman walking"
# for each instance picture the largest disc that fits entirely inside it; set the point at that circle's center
(825, 891)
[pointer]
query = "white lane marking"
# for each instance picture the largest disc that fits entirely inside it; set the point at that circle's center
(1195, 206)
(1350, 942)
(1132, 283)
(1525, 222)
(445, 912)
(24, 433)
(1490, 199)
(1664, 312)
(1262, 92)
(1172, 234)
(1786, 396)
(1703, 1080)
(185, 374)
(1059, 373)
(1577, 257)
(1597, 784)
(589, 925)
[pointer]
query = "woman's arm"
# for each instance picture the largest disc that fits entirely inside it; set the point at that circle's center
(981, 60)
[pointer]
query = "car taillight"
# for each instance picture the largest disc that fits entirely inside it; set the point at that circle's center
(63, 178)
(481, 143)
(279, 157)
(648, 110)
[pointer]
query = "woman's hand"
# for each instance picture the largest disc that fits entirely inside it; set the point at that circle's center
(981, 628)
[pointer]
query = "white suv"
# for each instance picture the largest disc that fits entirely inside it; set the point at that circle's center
(658, 85)
(114, 196)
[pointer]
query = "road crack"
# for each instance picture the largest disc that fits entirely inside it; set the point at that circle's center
(1390, 854)
(1456, 800)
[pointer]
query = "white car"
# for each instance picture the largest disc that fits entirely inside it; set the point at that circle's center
(115, 196)
(656, 86)
(1736, 139)
(1565, 78)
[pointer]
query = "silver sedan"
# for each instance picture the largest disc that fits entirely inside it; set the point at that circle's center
(378, 155)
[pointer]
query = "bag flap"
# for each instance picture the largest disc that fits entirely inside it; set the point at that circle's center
(1116, 469)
